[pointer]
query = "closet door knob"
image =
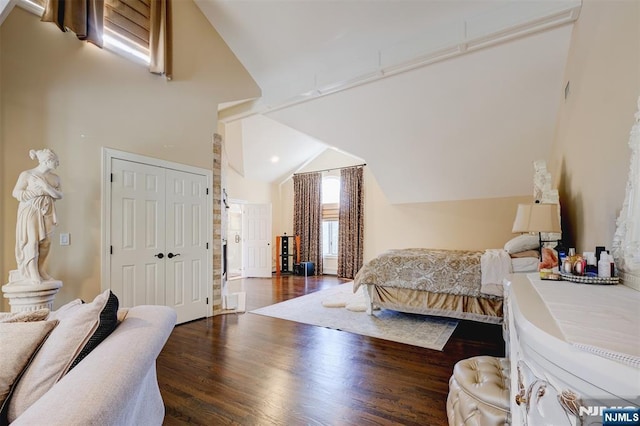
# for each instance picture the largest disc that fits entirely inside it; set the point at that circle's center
(159, 255)
(171, 255)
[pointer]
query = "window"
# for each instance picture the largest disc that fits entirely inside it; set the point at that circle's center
(329, 237)
(330, 206)
(331, 190)
(125, 26)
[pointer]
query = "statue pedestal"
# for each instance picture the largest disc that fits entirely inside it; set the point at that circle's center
(28, 296)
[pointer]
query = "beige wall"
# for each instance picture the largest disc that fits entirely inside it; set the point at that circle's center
(590, 158)
(461, 225)
(248, 190)
(467, 225)
(2, 201)
(74, 98)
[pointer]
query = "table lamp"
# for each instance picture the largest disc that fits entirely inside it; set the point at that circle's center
(538, 217)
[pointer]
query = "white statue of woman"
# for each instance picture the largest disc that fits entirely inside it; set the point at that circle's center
(37, 190)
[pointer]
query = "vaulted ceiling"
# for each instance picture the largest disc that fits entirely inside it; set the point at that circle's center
(444, 100)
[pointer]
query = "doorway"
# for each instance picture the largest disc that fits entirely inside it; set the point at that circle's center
(249, 236)
(234, 241)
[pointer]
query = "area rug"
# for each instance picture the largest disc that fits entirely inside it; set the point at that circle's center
(417, 330)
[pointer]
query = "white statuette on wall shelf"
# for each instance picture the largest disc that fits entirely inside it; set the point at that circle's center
(30, 286)
(626, 241)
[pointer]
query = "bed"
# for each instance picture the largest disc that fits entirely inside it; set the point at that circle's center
(455, 283)
(452, 283)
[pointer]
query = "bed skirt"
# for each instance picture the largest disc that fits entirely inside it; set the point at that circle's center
(481, 309)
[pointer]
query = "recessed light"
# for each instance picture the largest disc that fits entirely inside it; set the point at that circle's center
(275, 159)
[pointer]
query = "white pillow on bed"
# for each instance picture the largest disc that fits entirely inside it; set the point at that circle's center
(522, 243)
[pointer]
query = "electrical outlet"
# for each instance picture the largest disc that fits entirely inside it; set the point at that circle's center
(65, 239)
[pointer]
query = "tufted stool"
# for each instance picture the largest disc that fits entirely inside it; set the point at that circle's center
(479, 392)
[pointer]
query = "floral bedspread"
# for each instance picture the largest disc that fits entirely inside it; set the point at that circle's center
(439, 271)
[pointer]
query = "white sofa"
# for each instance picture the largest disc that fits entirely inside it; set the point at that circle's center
(116, 383)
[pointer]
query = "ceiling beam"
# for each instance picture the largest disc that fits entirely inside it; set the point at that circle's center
(492, 29)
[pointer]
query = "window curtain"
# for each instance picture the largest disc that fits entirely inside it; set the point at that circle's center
(159, 38)
(83, 17)
(350, 222)
(307, 217)
(143, 26)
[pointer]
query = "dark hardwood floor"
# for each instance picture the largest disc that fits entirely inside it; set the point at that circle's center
(248, 369)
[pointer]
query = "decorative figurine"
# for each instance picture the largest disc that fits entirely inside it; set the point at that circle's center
(37, 190)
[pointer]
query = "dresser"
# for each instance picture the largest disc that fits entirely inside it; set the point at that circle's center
(572, 349)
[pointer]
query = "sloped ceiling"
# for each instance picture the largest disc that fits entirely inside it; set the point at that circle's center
(444, 100)
(268, 149)
(465, 128)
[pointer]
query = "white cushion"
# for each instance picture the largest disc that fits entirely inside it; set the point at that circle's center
(19, 341)
(77, 323)
(522, 243)
(24, 316)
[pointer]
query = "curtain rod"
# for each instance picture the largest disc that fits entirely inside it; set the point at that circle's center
(328, 170)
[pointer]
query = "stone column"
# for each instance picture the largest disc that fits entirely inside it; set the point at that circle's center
(217, 224)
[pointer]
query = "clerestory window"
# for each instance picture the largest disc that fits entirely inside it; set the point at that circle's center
(126, 27)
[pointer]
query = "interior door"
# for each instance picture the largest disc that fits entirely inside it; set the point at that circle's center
(137, 233)
(185, 262)
(257, 242)
(158, 238)
(234, 241)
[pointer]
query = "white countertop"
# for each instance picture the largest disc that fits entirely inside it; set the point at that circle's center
(604, 319)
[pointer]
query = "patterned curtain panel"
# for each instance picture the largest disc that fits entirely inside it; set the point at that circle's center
(350, 222)
(307, 217)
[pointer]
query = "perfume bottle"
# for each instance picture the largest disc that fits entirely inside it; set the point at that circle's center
(604, 265)
(579, 265)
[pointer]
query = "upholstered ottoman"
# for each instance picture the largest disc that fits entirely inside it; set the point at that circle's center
(479, 392)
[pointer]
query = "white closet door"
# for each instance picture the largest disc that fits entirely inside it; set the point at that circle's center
(186, 267)
(137, 233)
(158, 238)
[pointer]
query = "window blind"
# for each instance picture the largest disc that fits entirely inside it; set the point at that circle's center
(330, 211)
(141, 27)
(128, 21)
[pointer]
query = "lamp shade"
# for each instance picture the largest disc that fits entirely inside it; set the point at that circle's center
(537, 218)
